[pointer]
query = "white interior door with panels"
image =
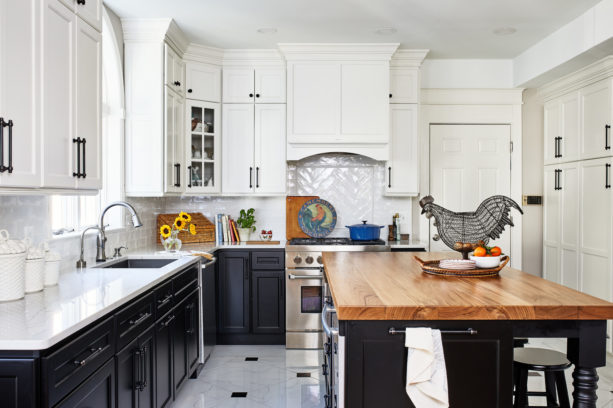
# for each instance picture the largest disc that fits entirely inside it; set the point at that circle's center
(469, 163)
(18, 94)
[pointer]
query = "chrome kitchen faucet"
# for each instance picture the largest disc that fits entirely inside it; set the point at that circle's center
(101, 241)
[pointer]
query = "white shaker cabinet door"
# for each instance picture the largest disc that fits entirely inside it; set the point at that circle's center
(238, 173)
(596, 120)
(179, 145)
(171, 171)
(270, 85)
(91, 12)
(238, 85)
(569, 226)
(270, 163)
(173, 70)
(88, 104)
(551, 131)
(402, 171)
(595, 221)
(18, 94)
(203, 82)
(404, 85)
(569, 127)
(551, 224)
(58, 96)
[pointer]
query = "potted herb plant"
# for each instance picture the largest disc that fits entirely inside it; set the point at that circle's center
(246, 224)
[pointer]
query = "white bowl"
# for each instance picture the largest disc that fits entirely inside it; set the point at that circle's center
(485, 262)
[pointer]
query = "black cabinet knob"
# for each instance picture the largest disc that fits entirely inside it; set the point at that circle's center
(189, 90)
(251, 95)
(81, 2)
(257, 95)
(390, 95)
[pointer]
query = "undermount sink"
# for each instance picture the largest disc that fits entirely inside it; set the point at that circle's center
(139, 263)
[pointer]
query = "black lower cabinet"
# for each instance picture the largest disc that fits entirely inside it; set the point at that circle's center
(192, 315)
(233, 295)
(135, 372)
(18, 384)
(163, 360)
(98, 391)
(268, 306)
(179, 347)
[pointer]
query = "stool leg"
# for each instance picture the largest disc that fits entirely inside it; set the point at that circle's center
(550, 389)
(562, 390)
(521, 392)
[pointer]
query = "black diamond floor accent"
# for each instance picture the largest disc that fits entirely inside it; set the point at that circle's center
(239, 395)
(303, 374)
(251, 359)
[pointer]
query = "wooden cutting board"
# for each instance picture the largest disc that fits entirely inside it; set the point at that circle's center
(292, 207)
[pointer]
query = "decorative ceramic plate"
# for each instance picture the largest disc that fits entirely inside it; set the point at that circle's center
(317, 218)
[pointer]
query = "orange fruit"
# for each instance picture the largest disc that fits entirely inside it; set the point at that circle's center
(496, 251)
(480, 251)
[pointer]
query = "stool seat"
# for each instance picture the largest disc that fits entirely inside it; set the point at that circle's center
(539, 359)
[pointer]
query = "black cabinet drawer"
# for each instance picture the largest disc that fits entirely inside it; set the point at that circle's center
(98, 391)
(67, 367)
(134, 319)
(268, 260)
(163, 299)
(185, 283)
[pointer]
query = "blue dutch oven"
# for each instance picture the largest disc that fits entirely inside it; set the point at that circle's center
(364, 231)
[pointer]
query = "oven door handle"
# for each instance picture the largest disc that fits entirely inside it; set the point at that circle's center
(292, 276)
(330, 331)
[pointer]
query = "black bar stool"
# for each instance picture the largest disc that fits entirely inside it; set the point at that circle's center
(553, 364)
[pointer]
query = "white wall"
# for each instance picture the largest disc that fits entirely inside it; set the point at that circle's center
(467, 73)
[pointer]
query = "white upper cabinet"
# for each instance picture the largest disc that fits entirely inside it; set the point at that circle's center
(174, 74)
(562, 129)
(551, 131)
(596, 120)
(402, 170)
(203, 147)
(404, 85)
(174, 151)
(248, 85)
(270, 163)
(89, 10)
(237, 148)
(18, 94)
(203, 82)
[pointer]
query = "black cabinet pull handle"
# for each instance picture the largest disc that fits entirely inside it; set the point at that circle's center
(558, 185)
(166, 299)
(607, 128)
(10, 167)
(190, 318)
(257, 177)
(137, 367)
(142, 317)
(178, 174)
(81, 2)
(559, 146)
(555, 147)
(251, 95)
(2, 124)
(189, 90)
(94, 351)
(189, 169)
(168, 321)
(177, 83)
(250, 177)
(257, 95)
(607, 183)
(389, 175)
(143, 357)
(84, 174)
(78, 142)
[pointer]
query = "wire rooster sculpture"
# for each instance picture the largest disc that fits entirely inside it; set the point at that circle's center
(462, 231)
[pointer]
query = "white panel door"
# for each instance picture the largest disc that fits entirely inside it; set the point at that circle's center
(238, 85)
(568, 187)
(469, 163)
(238, 173)
(58, 96)
(596, 120)
(402, 169)
(91, 12)
(595, 221)
(569, 127)
(18, 93)
(551, 224)
(551, 131)
(270, 163)
(270, 85)
(314, 95)
(88, 103)
(364, 103)
(203, 82)
(403, 85)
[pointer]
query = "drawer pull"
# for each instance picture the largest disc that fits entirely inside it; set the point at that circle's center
(141, 318)
(468, 331)
(167, 298)
(167, 322)
(94, 352)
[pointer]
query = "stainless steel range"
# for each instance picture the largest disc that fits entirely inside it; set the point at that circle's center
(304, 286)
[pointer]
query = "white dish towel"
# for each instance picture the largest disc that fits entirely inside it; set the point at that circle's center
(426, 372)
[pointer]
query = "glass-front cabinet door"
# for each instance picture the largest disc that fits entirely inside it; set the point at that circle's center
(203, 147)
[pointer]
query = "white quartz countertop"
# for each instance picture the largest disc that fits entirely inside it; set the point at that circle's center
(42, 319)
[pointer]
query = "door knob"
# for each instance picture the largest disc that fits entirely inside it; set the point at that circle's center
(435, 237)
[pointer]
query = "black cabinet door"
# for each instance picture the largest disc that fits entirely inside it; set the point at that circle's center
(268, 306)
(136, 372)
(192, 332)
(18, 383)
(146, 390)
(98, 391)
(233, 292)
(179, 347)
(163, 360)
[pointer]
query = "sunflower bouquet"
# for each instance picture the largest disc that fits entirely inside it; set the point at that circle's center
(169, 234)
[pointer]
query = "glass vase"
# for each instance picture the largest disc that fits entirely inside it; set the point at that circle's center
(172, 243)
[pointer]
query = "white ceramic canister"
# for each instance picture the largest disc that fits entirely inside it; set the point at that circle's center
(35, 270)
(12, 267)
(52, 268)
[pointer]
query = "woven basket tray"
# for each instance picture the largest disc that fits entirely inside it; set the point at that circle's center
(432, 267)
(205, 229)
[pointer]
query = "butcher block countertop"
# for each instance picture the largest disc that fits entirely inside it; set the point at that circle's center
(392, 286)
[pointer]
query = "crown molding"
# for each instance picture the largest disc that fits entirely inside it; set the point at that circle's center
(154, 30)
(587, 75)
(408, 58)
(253, 57)
(203, 53)
(176, 37)
(338, 51)
(472, 96)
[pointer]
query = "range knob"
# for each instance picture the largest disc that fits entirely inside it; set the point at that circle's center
(297, 259)
(309, 259)
(320, 260)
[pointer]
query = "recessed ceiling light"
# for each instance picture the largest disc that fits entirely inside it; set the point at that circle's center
(505, 30)
(267, 30)
(385, 31)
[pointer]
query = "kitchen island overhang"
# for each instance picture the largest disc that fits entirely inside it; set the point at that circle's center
(375, 292)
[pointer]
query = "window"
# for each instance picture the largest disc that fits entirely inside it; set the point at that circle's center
(73, 213)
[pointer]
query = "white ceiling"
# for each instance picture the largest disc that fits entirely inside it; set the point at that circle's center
(449, 28)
